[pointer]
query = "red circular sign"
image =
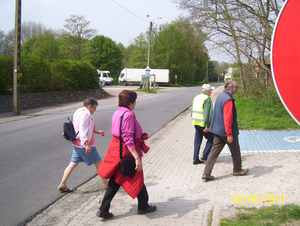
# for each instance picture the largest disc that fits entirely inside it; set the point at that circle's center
(285, 58)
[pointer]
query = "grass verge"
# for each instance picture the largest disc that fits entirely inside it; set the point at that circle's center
(265, 216)
(145, 90)
(255, 114)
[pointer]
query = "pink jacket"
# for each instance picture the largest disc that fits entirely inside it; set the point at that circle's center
(130, 127)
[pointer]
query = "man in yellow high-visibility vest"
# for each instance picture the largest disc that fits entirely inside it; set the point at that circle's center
(202, 110)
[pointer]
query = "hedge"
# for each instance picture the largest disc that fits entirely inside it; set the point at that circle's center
(42, 76)
(6, 74)
(78, 75)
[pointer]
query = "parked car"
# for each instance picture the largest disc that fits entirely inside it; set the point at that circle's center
(105, 78)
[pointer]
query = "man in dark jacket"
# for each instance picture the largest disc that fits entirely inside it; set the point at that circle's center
(224, 126)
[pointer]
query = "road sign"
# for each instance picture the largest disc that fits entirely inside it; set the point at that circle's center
(147, 74)
(285, 57)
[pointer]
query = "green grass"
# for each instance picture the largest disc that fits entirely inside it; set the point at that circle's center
(145, 90)
(264, 216)
(255, 114)
(106, 94)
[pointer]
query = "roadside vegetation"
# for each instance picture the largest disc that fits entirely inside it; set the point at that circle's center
(265, 216)
(146, 90)
(263, 113)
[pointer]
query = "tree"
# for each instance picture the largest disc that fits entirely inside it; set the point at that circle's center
(28, 46)
(169, 51)
(139, 53)
(195, 46)
(126, 54)
(212, 74)
(243, 28)
(216, 70)
(31, 29)
(178, 46)
(46, 46)
(104, 54)
(2, 44)
(76, 34)
(7, 43)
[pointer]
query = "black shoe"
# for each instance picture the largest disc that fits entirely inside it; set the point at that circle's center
(150, 209)
(195, 162)
(105, 215)
(203, 158)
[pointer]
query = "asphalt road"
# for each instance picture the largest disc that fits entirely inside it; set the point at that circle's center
(34, 153)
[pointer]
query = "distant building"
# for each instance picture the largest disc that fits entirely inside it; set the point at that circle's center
(229, 73)
(268, 75)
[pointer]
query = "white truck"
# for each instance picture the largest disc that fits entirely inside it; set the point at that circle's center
(137, 76)
(104, 78)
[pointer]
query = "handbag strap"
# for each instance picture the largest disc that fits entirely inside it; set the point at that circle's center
(121, 140)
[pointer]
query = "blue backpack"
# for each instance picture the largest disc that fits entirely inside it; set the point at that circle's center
(69, 131)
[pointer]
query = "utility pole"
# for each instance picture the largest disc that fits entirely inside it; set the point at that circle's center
(149, 46)
(17, 61)
(148, 61)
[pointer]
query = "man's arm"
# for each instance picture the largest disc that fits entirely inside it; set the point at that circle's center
(207, 112)
(228, 119)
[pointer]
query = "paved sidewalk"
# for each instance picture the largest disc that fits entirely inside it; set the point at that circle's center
(175, 186)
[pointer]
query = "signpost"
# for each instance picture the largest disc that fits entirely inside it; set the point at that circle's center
(285, 57)
(147, 76)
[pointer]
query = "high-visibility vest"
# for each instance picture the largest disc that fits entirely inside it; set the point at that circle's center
(198, 110)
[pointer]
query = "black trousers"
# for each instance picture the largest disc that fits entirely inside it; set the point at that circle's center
(113, 188)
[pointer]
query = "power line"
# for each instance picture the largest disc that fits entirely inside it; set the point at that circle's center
(129, 11)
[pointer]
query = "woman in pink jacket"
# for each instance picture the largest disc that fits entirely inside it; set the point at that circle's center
(133, 146)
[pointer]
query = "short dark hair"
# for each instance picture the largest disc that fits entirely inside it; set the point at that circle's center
(90, 101)
(127, 97)
(229, 83)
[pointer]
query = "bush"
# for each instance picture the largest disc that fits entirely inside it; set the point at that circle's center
(36, 75)
(42, 76)
(78, 75)
(6, 74)
(35, 78)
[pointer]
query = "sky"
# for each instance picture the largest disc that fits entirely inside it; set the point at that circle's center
(120, 20)
(108, 17)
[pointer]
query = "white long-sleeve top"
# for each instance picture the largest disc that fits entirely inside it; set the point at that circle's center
(84, 123)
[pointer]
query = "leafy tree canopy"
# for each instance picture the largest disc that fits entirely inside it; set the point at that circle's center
(104, 54)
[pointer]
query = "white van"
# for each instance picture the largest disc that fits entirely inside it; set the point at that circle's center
(105, 78)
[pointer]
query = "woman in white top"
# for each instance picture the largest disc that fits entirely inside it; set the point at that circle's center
(84, 149)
